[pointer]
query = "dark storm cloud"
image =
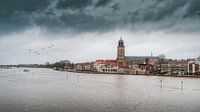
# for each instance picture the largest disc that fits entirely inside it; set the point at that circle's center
(171, 15)
(74, 4)
(96, 15)
(12, 11)
(157, 11)
(193, 9)
(102, 3)
(75, 22)
(82, 21)
(11, 7)
(115, 7)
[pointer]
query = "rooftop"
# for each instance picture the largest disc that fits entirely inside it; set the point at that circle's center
(140, 57)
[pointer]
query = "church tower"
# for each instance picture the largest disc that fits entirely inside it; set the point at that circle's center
(121, 52)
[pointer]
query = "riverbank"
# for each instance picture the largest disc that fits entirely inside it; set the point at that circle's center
(163, 75)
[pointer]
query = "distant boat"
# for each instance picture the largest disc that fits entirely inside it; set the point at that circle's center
(25, 70)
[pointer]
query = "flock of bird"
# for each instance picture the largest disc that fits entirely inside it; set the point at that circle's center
(37, 52)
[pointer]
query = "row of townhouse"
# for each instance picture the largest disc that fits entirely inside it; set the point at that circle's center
(166, 66)
(111, 66)
(181, 67)
(178, 67)
(88, 66)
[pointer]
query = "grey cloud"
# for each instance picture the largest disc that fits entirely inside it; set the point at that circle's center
(115, 7)
(73, 21)
(74, 4)
(13, 13)
(84, 22)
(102, 3)
(157, 11)
(71, 14)
(193, 9)
(10, 7)
(167, 15)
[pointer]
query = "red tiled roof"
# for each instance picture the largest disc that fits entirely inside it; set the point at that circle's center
(107, 62)
(152, 62)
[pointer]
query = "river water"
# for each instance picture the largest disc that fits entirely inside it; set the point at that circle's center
(46, 90)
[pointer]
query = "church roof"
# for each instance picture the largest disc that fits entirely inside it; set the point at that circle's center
(139, 58)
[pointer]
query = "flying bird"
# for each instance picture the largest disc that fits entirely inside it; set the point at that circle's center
(29, 51)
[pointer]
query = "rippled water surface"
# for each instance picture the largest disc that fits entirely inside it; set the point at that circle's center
(46, 90)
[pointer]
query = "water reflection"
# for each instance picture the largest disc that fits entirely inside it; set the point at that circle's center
(45, 90)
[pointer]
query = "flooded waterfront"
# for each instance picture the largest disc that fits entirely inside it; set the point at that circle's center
(46, 90)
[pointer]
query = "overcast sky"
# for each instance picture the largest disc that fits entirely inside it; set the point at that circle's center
(86, 30)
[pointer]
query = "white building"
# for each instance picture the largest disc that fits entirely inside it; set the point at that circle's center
(197, 60)
(106, 66)
(193, 67)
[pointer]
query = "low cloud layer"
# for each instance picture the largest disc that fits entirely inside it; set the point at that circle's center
(86, 47)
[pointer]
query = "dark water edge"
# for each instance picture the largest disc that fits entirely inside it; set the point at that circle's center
(46, 90)
(163, 75)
